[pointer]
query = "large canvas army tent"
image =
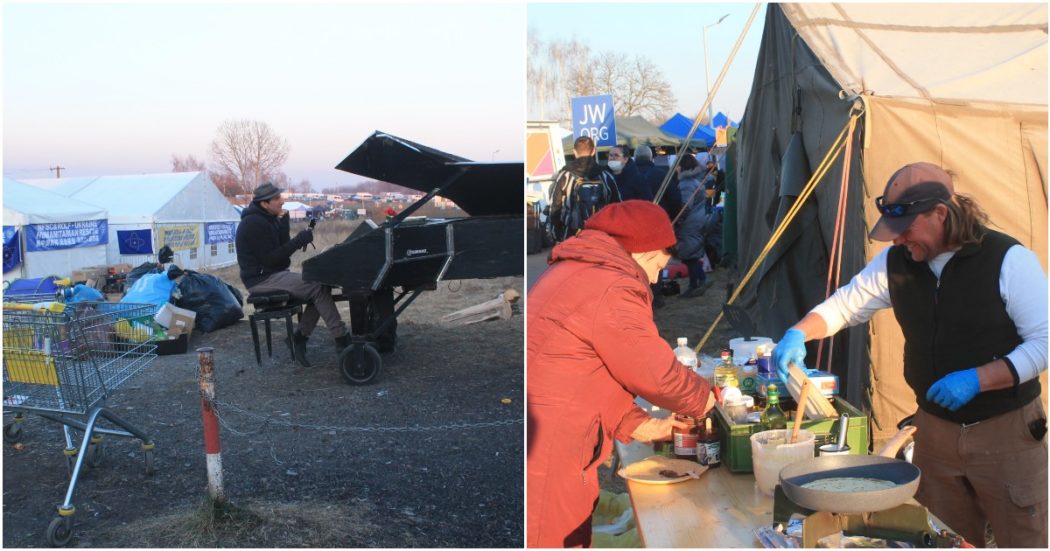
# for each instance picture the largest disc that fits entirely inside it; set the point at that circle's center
(183, 210)
(48, 234)
(963, 86)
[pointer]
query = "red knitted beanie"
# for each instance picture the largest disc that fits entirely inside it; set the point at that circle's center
(638, 226)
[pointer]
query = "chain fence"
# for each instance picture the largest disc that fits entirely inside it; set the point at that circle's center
(269, 419)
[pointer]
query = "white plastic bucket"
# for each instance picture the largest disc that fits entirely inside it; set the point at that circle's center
(770, 452)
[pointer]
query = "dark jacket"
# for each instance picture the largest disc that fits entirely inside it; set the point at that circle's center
(630, 183)
(263, 245)
(653, 176)
(692, 224)
(592, 346)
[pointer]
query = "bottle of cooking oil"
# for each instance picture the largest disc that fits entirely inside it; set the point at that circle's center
(773, 417)
(725, 369)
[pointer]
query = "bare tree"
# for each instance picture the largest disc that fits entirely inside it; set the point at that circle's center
(550, 66)
(637, 85)
(250, 152)
(187, 164)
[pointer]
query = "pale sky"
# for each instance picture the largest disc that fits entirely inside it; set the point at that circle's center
(671, 35)
(104, 89)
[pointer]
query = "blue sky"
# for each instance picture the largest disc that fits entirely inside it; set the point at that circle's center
(672, 36)
(119, 88)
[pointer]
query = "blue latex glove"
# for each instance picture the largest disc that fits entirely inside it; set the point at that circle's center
(791, 348)
(955, 389)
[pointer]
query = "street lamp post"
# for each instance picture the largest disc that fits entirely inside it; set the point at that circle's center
(494, 154)
(707, 72)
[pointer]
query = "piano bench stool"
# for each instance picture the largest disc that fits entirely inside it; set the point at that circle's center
(272, 305)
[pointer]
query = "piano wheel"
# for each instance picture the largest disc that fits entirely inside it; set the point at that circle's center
(360, 363)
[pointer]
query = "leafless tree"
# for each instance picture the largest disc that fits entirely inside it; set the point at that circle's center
(637, 85)
(186, 164)
(549, 67)
(559, 70)
(249, 151)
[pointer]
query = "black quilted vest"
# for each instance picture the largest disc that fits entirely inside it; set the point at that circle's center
(961, 324)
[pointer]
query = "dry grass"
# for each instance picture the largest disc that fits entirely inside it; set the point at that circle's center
(254, 525)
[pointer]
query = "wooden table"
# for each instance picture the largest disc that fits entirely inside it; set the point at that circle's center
(720, 509)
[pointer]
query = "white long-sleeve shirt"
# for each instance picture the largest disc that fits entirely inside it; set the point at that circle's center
(1022, 285)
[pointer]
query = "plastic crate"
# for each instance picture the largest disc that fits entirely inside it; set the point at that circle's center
(736, 438)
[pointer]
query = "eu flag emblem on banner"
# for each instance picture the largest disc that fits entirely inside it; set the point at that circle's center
(12, 249)
(135, 241)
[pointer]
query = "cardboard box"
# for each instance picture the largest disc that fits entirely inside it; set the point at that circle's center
(120, 269)
(177, 321)
(173, 345)
(89, 273)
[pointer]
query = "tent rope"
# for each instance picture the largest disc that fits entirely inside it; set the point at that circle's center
(835, 259)
(825, 165)
(710, 96)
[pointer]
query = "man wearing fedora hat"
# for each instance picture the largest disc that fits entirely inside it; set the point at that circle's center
(972, 304)
(593, 346)
(264, 251)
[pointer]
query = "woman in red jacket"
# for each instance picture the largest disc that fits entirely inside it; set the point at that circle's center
(592, 347)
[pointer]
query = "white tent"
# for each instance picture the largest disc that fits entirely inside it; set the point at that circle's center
(296, 210)
(55, 234)
(960, 85)
(183, 210)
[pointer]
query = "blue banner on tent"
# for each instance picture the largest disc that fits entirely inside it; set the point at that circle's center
(135, 241)
(66, 235)
(219, 232)
(12, 249)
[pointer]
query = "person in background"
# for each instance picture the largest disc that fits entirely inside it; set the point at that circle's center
(628, 180)
(710, 182)
(592, 347)
(691, 225)
(580, 189)
(972, 304)
(264, 250)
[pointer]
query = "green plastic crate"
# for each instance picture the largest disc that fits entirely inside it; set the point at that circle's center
(736, 438)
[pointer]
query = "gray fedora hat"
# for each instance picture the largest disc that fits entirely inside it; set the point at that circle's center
(266, 192)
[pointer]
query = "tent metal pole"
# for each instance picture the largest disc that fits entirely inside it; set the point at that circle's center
(707, 104)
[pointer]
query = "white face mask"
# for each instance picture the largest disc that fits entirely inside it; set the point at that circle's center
(616, 165)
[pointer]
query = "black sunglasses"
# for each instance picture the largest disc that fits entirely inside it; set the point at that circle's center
(896, 210)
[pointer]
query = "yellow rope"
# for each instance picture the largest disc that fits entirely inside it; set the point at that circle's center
(825, 165)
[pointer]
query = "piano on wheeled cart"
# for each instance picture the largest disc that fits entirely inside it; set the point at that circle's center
(382, 268)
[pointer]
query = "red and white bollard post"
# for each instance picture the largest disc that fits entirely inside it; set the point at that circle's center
(212, 446)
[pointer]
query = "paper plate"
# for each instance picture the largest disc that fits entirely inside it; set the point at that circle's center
(648, 470)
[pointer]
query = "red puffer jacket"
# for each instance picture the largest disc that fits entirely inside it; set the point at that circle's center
(592, 347)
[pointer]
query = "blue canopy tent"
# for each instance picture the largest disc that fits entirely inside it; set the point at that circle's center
(679, 126)
(722, 120)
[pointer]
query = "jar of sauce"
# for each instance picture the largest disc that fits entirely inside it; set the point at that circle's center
(685, 439)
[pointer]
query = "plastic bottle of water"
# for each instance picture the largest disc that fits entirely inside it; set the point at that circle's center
(685, 355)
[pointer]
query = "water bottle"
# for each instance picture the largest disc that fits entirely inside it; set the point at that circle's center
(686, 356)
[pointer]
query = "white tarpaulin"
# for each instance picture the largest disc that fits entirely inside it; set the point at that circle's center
(25, 205)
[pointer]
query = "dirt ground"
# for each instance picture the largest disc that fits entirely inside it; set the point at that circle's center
(679, 317)
(427, 456)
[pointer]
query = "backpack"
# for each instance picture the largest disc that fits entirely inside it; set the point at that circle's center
(587, 197)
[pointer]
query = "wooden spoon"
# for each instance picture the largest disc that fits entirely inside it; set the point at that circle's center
(800, 410)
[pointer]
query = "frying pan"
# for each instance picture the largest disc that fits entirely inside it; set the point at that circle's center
(884, 466)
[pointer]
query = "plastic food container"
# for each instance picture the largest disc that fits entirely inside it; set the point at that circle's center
(771, 452)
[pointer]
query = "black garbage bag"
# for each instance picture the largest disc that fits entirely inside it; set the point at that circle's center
(216, 302)
(141, 270)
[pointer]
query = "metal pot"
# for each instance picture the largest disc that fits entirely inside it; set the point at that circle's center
(884, 466)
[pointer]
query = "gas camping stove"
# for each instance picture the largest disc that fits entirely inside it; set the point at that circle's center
(905, 523)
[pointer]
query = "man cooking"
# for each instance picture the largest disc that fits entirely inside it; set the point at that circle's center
(592, 346)
(972, 304)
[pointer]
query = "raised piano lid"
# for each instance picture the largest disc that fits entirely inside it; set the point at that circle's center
(482, 189)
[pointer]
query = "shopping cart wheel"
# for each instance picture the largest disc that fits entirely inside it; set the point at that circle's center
(151, 467)
(60, 531)
(13, 432)
(95, 453)
(359, 363)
